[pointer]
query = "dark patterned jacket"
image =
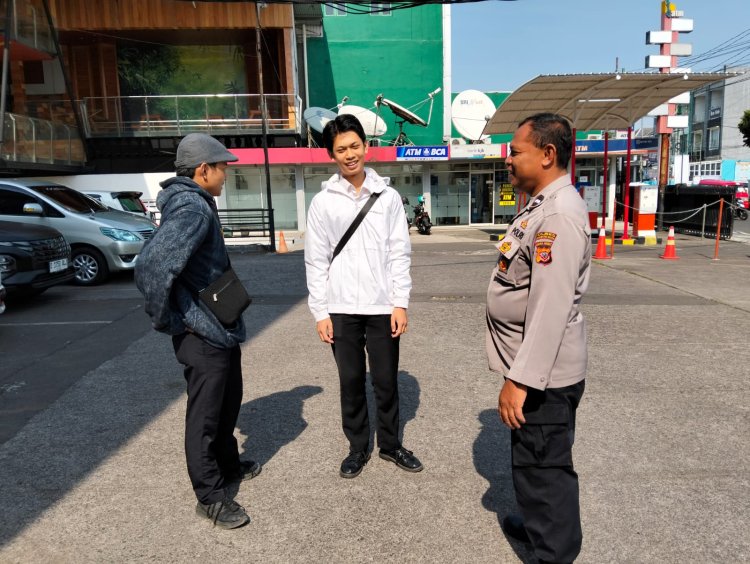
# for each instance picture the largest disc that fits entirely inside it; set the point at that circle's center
(185, 255)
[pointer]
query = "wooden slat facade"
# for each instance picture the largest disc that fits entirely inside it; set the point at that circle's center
(165, 14)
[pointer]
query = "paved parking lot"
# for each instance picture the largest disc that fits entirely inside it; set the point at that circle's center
(97, 473)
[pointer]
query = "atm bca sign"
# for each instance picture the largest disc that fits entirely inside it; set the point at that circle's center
(436, 153)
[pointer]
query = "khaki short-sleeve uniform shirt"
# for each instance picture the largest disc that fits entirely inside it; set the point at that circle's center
(536, 334)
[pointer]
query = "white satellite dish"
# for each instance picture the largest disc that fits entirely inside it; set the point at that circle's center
(317, 118)
(403, 113)
(373, 125)
(470, 111)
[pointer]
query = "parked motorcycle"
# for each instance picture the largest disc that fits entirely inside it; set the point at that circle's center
(739, 213)
(421, 217)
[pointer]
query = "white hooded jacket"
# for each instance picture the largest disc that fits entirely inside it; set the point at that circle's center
(371, 274)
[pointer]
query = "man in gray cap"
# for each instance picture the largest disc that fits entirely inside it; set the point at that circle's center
(186, 254)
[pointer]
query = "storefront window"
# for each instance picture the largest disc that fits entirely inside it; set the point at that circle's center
(449, 187)
(247, 190)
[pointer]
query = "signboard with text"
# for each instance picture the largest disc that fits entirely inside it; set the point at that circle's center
(414, 153)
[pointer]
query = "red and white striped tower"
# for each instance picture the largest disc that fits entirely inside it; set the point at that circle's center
(672, 24)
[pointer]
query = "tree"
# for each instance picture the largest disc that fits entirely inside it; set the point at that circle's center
(744, 127)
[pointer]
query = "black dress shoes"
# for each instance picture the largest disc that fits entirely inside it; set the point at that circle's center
(352, 465)
(225, 514)
(247, 471)
(513, 527)
(402, 458)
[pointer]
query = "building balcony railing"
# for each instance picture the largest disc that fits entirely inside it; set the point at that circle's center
(175, 116)
(30, 25)
(32, 140)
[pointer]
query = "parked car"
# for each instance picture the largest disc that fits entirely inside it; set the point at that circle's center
(102, 240)
(124, 201)
(2, 294)
(32, 258)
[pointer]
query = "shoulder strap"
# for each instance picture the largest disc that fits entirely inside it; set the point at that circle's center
(353, 227)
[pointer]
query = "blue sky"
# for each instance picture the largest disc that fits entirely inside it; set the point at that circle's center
(498, 46)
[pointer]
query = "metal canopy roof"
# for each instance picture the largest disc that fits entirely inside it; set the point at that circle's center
(595, 101)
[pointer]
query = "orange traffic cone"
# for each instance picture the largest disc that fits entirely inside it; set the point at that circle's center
(282, 244)
(670, 251)
(601, 246)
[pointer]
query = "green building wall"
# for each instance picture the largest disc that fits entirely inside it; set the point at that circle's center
(399, 56)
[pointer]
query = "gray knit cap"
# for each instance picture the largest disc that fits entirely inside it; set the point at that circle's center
(198, 148)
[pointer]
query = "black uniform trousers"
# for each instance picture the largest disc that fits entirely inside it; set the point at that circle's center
(545, 483)
(214, 390)
(352, 334)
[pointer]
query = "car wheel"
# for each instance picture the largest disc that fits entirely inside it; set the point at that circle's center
(90, 265)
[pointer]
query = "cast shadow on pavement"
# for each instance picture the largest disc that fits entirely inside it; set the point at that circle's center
(408, 395)
(491, 454)
(273, 421)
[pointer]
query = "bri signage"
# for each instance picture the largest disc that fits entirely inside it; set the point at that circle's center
(414, 153)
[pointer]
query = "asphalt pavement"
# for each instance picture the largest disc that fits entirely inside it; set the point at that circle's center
(662, 447)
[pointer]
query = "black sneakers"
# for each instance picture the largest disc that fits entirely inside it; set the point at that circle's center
(247, 471)
(352, 465)
(402, 458)
(225, 514)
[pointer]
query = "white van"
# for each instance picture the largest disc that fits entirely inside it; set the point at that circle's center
(102, 240)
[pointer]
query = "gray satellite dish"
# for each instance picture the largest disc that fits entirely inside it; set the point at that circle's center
(406, 115)
(373, 125)
(317, 118)
(470, 111)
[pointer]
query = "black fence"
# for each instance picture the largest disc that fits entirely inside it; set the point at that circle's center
(694, 210)
(250, 222)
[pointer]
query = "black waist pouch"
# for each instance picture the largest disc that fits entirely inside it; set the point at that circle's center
(226, 297)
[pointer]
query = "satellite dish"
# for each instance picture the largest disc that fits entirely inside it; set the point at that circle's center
(373, 125)
(317, 118)
(403, 113)
(470, 110)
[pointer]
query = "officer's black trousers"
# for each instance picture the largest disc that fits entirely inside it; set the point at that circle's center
(352, 334)
(214, 390)
(545, 483)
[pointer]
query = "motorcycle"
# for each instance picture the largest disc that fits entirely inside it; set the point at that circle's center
(739, 213)
(422, 218)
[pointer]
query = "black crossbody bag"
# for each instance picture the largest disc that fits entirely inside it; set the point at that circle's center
(226, 297)
(357, 220)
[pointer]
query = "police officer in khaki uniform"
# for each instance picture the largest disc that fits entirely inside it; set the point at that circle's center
(536, 336)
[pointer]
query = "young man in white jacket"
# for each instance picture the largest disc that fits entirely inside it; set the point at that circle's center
(359, 298)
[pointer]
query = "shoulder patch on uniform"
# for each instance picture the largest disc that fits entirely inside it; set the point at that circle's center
(524, 224)
(543, 247)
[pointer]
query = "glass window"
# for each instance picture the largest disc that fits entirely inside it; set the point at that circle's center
(449, 188)
(70, 199)
(11, 203)
(335, 9)
(131, 203)
(380, 8)
(713, 138)
(248, 191)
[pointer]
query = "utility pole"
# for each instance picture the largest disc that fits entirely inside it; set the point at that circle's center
(264, 127)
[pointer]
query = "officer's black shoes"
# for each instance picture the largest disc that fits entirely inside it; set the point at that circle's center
(352, 465)
(225, 514)
(513, 527)
(247, 471)
(402, 458)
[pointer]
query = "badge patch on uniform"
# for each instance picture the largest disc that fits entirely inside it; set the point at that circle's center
(502, 265)
(505, 247)
(543, 247)
(524, 224)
